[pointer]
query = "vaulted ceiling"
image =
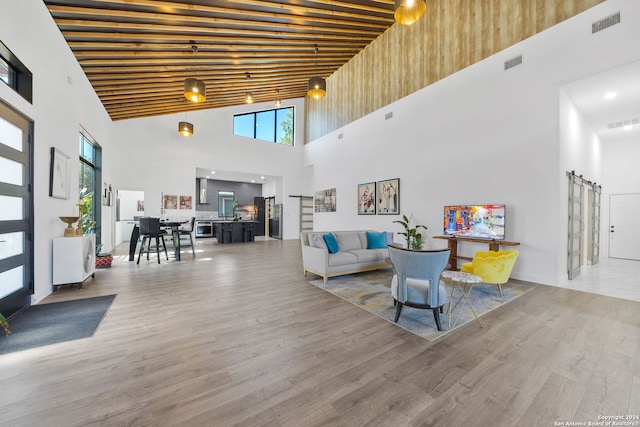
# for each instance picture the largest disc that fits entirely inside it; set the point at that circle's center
(137, 53)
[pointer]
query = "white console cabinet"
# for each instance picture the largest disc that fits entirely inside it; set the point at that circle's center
(74, 259)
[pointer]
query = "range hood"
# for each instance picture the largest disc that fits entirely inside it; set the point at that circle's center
(202, 195)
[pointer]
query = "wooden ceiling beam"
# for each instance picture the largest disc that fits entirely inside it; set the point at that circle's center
(275, 30)
(99, 80)
(205, 57)
(215, 40)
(153, 48)
(123, 84)
(232, 68)
(282, 8)
(248, 17)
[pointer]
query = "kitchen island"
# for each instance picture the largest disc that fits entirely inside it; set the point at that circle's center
(235, 231)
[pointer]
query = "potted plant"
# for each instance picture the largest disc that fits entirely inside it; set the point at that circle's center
(4, 324)
(414, 238)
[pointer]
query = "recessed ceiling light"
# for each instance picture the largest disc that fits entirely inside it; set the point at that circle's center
(262, 177)
(253, 180)
(207, 176)
(610, 95)
(626, 127)
(213, 172)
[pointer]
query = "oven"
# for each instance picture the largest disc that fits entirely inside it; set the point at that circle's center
(204, 228)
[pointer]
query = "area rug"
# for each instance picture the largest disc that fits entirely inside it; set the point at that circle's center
(371, 291)
(45, 324)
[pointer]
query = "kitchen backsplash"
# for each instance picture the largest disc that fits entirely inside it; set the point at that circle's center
(203, 215)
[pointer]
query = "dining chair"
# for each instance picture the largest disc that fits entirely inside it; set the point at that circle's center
(188, 231)
(150, 229)
(416, 280)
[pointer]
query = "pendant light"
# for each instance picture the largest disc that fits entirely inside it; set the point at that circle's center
(185, 128)
(409, 11)
(278, 100)
(248, 97)
(317, 86)
(194, 89)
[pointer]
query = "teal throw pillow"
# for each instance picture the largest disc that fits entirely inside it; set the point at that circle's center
(376, 240)
(332, 243)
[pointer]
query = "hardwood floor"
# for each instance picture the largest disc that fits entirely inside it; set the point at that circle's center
(237, 336)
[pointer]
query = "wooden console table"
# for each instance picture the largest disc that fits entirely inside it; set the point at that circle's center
(452, 243)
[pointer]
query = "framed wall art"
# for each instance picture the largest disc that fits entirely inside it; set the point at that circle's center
(107, 194)
(170, 202)
(325, 201)
(367, 198)
(388, 197)
(59, 174)
(185, 202)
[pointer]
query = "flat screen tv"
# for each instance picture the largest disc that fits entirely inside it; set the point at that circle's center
(476, 221)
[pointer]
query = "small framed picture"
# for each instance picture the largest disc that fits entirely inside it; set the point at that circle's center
(388, 197)
(185, 202)
(325, 200)
(170, 202)
(367, 198)
(59, 174)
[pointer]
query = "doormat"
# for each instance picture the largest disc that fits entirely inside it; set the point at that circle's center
(372, 292)
(45, 324)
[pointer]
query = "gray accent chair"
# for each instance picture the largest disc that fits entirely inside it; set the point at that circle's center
(416, 280)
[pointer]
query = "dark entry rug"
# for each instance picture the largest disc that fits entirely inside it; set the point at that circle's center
(54, 323)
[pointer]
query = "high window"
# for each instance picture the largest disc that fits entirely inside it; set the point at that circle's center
(7, 73)
(90, 175)
(15, 74)
(270, 125)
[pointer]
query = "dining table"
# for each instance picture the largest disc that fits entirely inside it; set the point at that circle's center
(175, 234)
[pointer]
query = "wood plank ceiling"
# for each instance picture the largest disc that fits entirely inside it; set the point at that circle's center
(137, 53)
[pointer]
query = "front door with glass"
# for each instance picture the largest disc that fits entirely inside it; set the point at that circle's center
(16, 202)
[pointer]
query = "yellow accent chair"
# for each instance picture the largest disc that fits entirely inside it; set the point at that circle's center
(493, 266)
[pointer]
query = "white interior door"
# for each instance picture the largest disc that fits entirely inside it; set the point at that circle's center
(624, 233)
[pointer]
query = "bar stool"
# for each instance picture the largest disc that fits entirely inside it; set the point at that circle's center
(227, 233)
(248, 231)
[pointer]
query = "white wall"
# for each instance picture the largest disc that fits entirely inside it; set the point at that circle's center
(621, 176)
(483, 135)
(63, 101)
(153, 157)
(480, 136)
(144, 154)
(128, 200)
(580, 151)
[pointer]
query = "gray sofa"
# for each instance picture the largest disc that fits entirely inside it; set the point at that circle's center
(352, 257)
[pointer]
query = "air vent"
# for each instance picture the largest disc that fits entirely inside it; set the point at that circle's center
(624, 123)
(340, 135)
(513, 62)
(605, 23)
(388, 115)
